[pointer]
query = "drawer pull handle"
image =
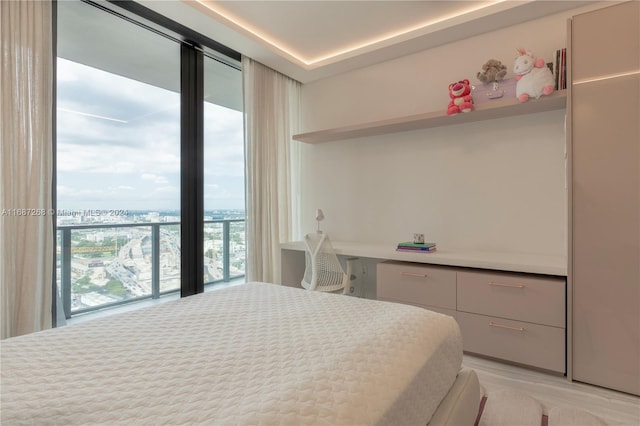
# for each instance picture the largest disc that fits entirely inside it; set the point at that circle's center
(493, 324)
(495, 284)
(411, 274)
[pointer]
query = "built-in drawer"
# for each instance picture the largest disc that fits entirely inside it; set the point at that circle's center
(416, 284)
(536, 299)
(525, 343)
(445, 311)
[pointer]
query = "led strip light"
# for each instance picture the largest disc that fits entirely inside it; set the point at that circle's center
(311, 62)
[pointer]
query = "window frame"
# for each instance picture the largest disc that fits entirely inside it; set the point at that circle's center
(193, 46)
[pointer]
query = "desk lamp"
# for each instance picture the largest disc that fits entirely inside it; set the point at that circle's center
(319, 218)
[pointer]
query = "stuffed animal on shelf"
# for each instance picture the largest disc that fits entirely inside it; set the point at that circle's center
(461, 99)
(534, 78)
(492, 71)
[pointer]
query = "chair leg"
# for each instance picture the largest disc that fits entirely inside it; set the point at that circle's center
(347, 278)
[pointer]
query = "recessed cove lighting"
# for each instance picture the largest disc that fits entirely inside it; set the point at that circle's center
(310, 62)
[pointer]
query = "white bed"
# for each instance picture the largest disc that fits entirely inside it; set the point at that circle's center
(256, 353)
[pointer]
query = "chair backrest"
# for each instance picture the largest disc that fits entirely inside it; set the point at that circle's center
(323, 271)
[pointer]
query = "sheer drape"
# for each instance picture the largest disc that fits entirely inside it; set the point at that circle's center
(26, 226)
(271, 102)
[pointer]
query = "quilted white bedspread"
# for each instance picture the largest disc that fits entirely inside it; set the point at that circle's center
(253, 354)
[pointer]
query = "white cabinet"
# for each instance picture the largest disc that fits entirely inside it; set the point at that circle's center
(604, 142)
(511, 316)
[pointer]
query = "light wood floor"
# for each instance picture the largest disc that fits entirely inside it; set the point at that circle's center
(615, 408)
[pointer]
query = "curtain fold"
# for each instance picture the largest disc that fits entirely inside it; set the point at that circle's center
(26, 152)
(271, 103)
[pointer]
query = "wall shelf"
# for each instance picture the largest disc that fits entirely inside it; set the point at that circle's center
(485, 111)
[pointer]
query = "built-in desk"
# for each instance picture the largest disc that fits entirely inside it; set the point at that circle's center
(509, 306)
(293, 259)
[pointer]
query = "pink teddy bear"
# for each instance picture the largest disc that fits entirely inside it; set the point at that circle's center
(461, 100)
(533, 77)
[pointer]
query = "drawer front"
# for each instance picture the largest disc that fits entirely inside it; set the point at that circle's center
(525, 343)
(519, 297)
(416, 284)
(445, 311)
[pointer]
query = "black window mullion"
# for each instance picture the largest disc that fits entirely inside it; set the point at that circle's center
(167, 25)
(191, 171)
(54, 153)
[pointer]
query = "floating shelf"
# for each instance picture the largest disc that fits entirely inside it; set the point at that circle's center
(485, 111)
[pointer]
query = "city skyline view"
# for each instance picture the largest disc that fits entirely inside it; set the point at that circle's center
(118, 190)
(111, 257)
(118, 164)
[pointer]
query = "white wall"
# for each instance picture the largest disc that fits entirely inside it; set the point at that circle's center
(494, 185)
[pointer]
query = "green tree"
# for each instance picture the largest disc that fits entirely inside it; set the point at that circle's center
(84, 285)
(115, 288)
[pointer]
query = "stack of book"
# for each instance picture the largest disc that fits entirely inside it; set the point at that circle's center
(416, 247)
(560, 73)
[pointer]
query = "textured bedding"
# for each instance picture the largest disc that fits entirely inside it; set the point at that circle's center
(255, 353)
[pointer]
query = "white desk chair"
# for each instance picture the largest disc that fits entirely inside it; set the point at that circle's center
(323, 271)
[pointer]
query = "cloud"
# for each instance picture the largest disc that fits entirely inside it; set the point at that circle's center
(65, 190)
(165, 190)
(154, 178)
(134, 163)
(66, 71)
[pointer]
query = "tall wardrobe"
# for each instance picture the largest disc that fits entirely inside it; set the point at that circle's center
(603, 130)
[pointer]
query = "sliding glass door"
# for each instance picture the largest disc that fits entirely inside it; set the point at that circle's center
(224, 203)
(120, 143)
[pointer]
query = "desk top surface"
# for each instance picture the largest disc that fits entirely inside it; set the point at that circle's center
(515, 262)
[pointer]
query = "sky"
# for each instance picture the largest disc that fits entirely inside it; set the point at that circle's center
(118, 145)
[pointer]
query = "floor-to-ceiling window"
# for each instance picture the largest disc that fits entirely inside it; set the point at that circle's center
(224, 203)
(120, 139)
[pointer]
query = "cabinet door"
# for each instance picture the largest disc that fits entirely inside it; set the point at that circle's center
(605, 51)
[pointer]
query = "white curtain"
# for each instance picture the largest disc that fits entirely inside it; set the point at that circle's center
(271, 103)
(26, 226)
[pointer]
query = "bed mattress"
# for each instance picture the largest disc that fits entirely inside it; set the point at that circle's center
(255, 353)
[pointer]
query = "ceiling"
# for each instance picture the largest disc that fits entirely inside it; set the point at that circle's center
(309, 39)
(86, 35)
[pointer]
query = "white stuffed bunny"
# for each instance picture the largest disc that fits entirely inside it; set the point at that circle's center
(533, 77)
